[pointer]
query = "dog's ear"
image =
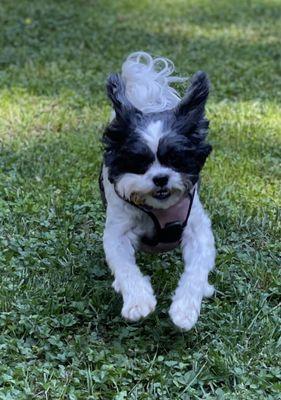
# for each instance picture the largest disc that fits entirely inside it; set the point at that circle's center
(191, 110)
(116, 92)
(126, 115)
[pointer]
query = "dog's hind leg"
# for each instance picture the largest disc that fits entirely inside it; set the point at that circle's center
(199, 258)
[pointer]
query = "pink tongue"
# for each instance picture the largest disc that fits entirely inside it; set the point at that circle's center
(177, 212)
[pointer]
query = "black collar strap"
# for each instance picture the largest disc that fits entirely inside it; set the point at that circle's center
(171, 232)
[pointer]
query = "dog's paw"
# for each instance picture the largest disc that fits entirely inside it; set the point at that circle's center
(139, 302)
(185, 310)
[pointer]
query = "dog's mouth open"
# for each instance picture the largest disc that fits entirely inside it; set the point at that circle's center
(161, 194)
(157, 198)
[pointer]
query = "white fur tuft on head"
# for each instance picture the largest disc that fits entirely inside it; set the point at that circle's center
(147, 82)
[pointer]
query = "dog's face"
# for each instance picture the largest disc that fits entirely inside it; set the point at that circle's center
(154, 158)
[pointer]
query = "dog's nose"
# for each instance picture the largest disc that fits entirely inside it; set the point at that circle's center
(160, 180)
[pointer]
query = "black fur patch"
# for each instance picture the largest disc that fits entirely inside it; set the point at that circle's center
(183, 155)
(190, 113)
(132, 156)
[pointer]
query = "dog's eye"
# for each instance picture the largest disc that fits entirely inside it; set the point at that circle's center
(137, 162)
(174, 158)
(184, 159)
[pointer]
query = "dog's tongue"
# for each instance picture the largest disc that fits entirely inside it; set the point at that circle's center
(177, 212)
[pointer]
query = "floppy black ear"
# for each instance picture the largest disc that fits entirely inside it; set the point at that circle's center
(126, 114)
(116, 93)
(190, 111)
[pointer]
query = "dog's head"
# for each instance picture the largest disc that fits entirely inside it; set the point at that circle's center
(154, 158)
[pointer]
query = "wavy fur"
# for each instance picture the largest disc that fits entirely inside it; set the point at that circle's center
(148, 82)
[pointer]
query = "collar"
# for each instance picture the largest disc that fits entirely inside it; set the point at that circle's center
(168, 223)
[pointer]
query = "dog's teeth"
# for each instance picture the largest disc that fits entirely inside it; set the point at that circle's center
(162, 194)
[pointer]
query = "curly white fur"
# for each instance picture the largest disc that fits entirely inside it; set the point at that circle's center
(148, 81)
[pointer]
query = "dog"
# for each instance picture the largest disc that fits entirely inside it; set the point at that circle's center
(154, 150)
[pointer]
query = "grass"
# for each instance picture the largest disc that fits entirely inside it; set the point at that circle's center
(61, 334)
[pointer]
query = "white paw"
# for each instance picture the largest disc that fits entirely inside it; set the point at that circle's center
(185, 310)
(139, 301)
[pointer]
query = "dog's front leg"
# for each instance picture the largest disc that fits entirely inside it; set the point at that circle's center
(135, 288)
(199, 258)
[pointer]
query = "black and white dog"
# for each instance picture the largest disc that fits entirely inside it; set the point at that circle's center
(154, 151)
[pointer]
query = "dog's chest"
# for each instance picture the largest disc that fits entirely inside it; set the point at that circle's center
(158, 230)
(162, 229)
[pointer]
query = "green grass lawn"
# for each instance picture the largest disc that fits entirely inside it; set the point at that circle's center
(61, 334)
